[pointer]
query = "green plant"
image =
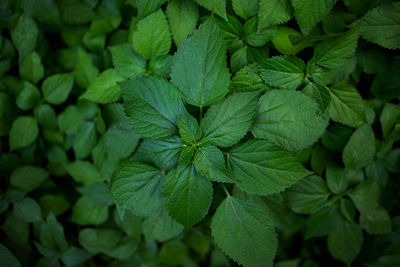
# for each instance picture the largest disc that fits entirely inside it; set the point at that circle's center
(225, 132)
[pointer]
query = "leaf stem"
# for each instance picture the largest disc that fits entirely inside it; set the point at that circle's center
(226, 190)
(201, 113)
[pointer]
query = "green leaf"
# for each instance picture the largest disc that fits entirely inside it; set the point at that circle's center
(182, 16)
(245, 8)
(345, 242)
(365, 196)
(273, 12)
(247, 79)
(161, 227)
(257, 38)
(85, 140)
(199, 68)
(336, 137)
(29, 97)
(152, 37)
(146, 7)
(360, 149)
(263, 168)
(319, 93)
(160, 66)
(152, 106)
(85, 71)
(23, 132)
(335, 52)
(245, 232)
(308, 195)
(347, 209)
(24, 36)
(46, 116)
(187, 195)
(52, 234)
(84, 172)
(290, 119)
(282, 41)
(381, 25)
(283, 71)
(336, 178)
(389, 117)
(56, 88)
(99, 240)
(309, 13)
(323, 221)
(386, 85)
(210, 162)
(137, 186)
(7, 258)
(126, 61)
(86, 212)
(120, 141)
(217, 7)
(376, 222)
(104, 88)
(346, 106)
(28, 178)
(162, 153)
(28, 210)
(228, 121)
(189, 128)
(74, 256)
(99, 193)
(31, 68)
(69, 120)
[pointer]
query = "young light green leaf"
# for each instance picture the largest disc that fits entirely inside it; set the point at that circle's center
(210, 162)
(152, 106)
(323, 221)
(189, 128)
(261, 167)
(187, 195)
(104, 88)
(346, 106)
(335, 52)
(126, 61)
(245, 232)
(161, 227)
(182, 16)
(289, 118)
(199, 68)
(309, 13)
(245, 8)
(381, 25)
(360, 149)
(7, 258)
(86, 211)
(162, 153)
(23, 132)
(152, 37)
(283, 71)
(31, 68)
(319, 93)
(273, 12)
(56, 88)
(137, 186)
(308, 195)
(28, 178)
(345, 242)
(28, 210)
(228, 121)
(84, 172)
(217, 7)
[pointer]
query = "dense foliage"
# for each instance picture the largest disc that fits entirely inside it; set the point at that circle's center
(199, 133)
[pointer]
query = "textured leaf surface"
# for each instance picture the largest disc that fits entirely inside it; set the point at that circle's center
(283, 71)
(161, 227)
(217, 7)
(308, 195)
(309, 13)
(189, 128)
(210, 162)
(290, 119)
(381, 25)
(360, 149)
(245, 8)
(182, 16)
(323, 221)
(126, 61)
(86, 211)
(152, 37)
(344, 243)
(335, 52)
(319, 93)
(228, 121)
(199, 68)
(260, 167)
(346, 105)
(152, 106)
(137, 186)
(273, 12)
(244, 231)
(187, 195)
